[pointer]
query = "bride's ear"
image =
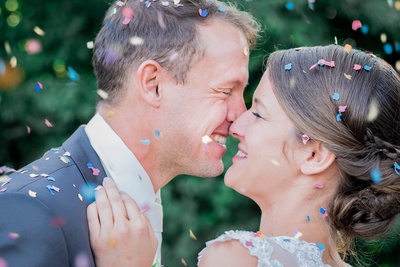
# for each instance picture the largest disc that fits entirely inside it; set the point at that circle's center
(317, 159)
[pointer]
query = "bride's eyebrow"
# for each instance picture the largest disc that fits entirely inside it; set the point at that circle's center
(258, 102)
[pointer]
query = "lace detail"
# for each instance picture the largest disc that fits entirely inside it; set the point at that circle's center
(306, 254)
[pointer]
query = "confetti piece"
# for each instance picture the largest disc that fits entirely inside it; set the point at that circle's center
(51, 179)
(322, 210)
(298, 235)
(176, 2)
(325, 214)
(110, 114)
(89, 165)
(338, 116)
(87, 192)
(65, 159)
(367, 68)
(308, 218)
(32, 193)
(388, 49)
(67, 154)
(35, 167)
(70, 84)
(95, 171)
(206, 139)
(246, 52)
(3, 189)
(126, 21)
(336, 96)
(33, 175)
(80, 197)
(320, 246)
(50, 188)
(347, 76)
(192, 235)
(136, 40)
(113, 11)
(7, 47)
(289, 6)
(72, 74)
(364, 29)
(305, 138)
(148, 4)
(56, 188)
(223, 9)
(313, 66)
(165, 3)
(82, 260)
(373, 111)
(184, 262)
(173, 56)
(347, 48)
(383, 37)
(376, 176)
(13, 235)
(288, 66)
(249, 244)
(90, 44)
(276, 163)
(145, 141)
(44, 175)
(397, 47)
(357, 67)
(7, 181)
(102, 94)
(38, 31)
(203, 13)
(33, 46)
(119, 3)
(127, 12)
(5, 169)
(356, 25)
(157, 133)
(13, 62)
(28, 129)
(396, 168)
(38, 87)
(295, 232)
(342, 108)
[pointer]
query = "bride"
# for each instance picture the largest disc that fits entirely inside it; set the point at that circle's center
(319, 153)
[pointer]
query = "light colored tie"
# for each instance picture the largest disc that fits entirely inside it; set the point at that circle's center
(155, 215)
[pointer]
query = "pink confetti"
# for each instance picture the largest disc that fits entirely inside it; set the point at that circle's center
(249, 244)
(313, 66)
(342, 108)
(127, 12)
(178, 5)
(305, 138)
(44, 175)
(119, 3)
(318, 186)
(3, 190)
(356, 25)
(28, 129)
(325, 214)
(48, 123)
(295, 232)
(13, 235)
(56, 189)
(126, 21)
(184, 262)
(95, 171)
(3, 262)
(357, 67)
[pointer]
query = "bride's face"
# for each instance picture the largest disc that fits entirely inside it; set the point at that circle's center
(265, 162)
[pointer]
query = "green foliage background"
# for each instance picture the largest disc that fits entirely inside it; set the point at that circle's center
(206, 206)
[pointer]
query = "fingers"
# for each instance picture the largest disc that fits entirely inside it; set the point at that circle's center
(93, 221)
(104, 209)
(132, 209)
(115, 199)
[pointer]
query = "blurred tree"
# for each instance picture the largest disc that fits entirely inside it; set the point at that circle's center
(206, 206)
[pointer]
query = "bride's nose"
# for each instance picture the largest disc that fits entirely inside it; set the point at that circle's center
(239, 127)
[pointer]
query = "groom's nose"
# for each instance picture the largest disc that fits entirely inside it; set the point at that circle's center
(236, 109)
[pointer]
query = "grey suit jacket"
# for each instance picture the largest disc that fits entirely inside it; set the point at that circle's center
(50, 230)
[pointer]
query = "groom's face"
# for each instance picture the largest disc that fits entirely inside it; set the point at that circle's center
(210, 101)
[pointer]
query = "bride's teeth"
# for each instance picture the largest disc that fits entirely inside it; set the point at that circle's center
(241, 154)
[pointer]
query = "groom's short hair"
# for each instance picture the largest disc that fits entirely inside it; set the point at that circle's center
(169, 35)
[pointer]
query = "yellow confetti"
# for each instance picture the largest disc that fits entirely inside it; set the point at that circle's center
(206, 139)
(373, 111)
(298, 235)
(298, 48)
(112, 242)
(13, 235)
(246, 52)
(304, 71)
(176, 2)
(275, 162)
(347, 76)
(136, 40)
(3, 178)
(31, 193)
(13, 62)
(398, 65)
(292, 83)
(383, 37)
(347, 47)
(33, 175)
(80, 197)
(90, 44)
(47, 158)
(7, 47)
(63, 160)
(74, 185)
(102, 94)
(98, 188)
(110, 114)
(36, 168)
(261, 235)
(192, 235)
(38, 31)
(336, 40)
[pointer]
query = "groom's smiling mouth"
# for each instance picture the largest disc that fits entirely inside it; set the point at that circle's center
(220, 139)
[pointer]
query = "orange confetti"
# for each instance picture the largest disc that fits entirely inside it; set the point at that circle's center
(347, 47)
(192, 235)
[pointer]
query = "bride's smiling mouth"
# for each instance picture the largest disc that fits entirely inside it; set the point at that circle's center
(241, 155)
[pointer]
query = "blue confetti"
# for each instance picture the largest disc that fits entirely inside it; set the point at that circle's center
(311, 6)
(145, 142)
(89, 165)
(288, 66)
(320, 246)
(2, 67)
(38, 87)
(50, 188)
(393, 73)
(72, 74)
(322, 210)
(376, 176)
(203, 13)
(286, 240)
(338, 116)
(308, 218)
(289, 5)
(87, 191)
(65, 159)
(397, 47)
(364, 29)
(320, 63)
(336, 96)
(367, 68)
(221, 8)
(396, 167)
(388, 49)
(157, 132)
(70, 84)
(51, 179)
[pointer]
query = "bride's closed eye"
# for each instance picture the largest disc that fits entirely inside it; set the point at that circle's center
(256, 114)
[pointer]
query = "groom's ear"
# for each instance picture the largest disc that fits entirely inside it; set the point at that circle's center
(317, 158)
(148, 77)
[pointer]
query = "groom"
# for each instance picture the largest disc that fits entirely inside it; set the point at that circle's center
(172, 75)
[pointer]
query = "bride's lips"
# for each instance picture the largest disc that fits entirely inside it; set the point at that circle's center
(241, 155)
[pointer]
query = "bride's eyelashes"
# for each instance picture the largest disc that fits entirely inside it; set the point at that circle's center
(256, 114)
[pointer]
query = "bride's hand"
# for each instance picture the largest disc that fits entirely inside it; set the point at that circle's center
(120, 235)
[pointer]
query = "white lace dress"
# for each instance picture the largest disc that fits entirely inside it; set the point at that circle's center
(274, 251)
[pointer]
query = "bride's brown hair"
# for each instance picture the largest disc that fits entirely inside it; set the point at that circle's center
(367, 137)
